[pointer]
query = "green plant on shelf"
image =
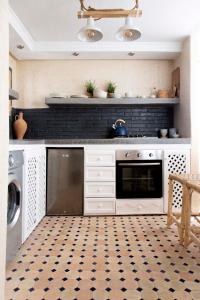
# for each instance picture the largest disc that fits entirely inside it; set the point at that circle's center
(90, 87)
(111, 87)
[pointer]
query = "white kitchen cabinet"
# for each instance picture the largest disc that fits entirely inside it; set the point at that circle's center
(100, 189)
(34, 188)
(100, 158)
(100, 174)
(175, 162)
(41, 185)
(104, 206)
(99, 182)
(139, 206)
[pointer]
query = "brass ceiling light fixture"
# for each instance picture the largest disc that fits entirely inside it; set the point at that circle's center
(90, 33)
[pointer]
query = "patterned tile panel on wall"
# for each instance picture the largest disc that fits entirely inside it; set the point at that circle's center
(94, 122)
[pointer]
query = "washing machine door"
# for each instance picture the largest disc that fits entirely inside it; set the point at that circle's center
(14, 204)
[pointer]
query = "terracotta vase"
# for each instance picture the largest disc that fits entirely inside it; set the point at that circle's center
(20, 126)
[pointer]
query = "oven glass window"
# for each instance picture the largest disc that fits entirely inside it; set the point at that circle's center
(13, 202)
(141, 179)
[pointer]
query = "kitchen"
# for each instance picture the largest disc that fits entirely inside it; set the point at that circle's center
(96, 129)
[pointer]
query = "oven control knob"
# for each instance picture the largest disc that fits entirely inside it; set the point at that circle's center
(150, 154)
(139, 155)
(127, 154)
(11, 161)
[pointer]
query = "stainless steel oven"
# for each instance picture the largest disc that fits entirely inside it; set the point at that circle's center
(139, 174)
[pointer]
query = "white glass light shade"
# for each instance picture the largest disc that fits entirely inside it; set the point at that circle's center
(90, 33)
(128, 33)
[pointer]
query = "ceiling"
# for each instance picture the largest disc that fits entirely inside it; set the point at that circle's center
(48, 28)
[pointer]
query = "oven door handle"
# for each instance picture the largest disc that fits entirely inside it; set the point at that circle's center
(138, 164)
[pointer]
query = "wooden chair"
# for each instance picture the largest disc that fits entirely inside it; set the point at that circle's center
(182, 218)
(192, 231)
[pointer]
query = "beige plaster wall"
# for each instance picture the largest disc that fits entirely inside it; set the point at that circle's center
(187, 115)
(195, 100)
(36, 79)
(182, 117)
(13, 64)
(4, 66)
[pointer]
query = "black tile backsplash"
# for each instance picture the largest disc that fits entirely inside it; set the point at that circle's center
(89, 122)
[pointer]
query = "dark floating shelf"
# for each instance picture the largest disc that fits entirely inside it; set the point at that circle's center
(13, 95)
(112, 101)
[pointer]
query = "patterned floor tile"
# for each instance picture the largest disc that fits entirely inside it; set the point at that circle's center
(104, 258)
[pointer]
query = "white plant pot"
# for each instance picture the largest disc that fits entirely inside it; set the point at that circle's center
(99, 94)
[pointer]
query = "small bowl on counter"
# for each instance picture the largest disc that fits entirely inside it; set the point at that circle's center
(176, 136)
(163, 94)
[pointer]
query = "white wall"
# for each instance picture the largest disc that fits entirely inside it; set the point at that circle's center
(182, 115)
(4, 66)
(36, 79)
(195, 100)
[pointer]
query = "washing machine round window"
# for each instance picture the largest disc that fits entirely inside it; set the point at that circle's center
(13, 211)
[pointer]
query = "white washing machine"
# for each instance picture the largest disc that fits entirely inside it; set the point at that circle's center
(14, 207)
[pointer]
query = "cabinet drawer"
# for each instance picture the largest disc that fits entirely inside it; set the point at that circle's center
(100, 174)
(100, 189)
(98, 206)
(100, 158)
(137, 207)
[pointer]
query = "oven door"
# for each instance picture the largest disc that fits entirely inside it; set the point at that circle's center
(139, 179)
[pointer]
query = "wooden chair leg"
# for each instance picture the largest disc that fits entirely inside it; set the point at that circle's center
(183, 215)
(170, 203)
(187, 216)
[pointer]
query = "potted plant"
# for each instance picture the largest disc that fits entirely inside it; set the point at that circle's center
(90, 87)
(111, 87)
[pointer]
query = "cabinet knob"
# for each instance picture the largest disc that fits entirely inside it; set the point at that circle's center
(99, 190)
(99, 158)
(100, 205)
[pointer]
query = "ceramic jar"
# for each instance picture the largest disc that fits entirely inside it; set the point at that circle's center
(172, 132)
(163, 133)
(20, 126)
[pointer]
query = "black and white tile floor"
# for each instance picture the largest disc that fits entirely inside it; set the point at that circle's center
(102, 258)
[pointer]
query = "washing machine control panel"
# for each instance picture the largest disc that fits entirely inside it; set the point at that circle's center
(15, 159)
(11, 161)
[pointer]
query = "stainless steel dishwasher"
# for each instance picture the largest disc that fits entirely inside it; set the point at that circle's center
(65, 181)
